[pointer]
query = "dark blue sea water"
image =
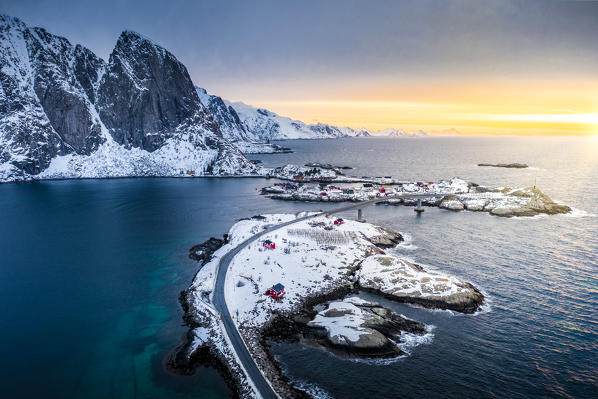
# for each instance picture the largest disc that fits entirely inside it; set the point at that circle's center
(90, 272)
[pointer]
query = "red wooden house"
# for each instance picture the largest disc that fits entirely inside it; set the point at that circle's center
(276, 292)
(268, 244)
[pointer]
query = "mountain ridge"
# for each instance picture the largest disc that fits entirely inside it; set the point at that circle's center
(62, 108)
(67, 113)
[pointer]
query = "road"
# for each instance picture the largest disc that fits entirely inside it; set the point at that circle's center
(254, 373)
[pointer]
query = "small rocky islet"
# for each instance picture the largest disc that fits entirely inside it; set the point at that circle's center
(514, 165)
(353, 327)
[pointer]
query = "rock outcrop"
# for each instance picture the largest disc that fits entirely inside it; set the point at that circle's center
(203, 252)
(353, 327)
(387, 239)
(403, 281)
(505, 165)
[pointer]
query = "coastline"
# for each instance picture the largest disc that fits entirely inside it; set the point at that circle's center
(288, 323)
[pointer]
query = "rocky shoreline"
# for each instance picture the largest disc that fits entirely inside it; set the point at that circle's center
(188, 356)
(305, 319)
(203, 252)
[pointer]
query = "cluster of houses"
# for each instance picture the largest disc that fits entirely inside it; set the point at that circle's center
(353, 191)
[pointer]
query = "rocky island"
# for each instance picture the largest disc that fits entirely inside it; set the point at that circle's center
(318, 264)
(454, 194)
(514, 165)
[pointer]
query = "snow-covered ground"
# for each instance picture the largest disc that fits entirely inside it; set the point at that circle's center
(358, 192)
(401, 278)
(178, 156)
(454, 194)
(247, 147)
(311, 258)
(308, 259)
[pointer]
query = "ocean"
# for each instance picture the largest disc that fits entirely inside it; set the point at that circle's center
(90, 272)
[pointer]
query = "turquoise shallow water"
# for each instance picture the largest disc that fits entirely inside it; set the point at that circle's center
(90, 272)
(90, 275)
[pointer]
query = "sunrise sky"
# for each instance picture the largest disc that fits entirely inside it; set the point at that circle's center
(482, 67)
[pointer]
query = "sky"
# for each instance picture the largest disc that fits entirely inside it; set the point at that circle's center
(483, 67)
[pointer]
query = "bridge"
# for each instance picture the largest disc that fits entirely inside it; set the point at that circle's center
(362, 204)
(260, 382)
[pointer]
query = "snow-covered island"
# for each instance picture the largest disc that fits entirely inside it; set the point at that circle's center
(454, 194)
(321, 262)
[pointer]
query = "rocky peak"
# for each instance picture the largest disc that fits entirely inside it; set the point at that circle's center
(146, 94)
(225, 116)
(64, 83)
(59, 100)
(89, 70)
(8, 22)
(44, 112)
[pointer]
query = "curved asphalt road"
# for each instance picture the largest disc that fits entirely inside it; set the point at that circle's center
(261, 383)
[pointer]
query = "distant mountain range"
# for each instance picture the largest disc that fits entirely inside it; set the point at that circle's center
(66, 113)
(398, 133)
(239, 121)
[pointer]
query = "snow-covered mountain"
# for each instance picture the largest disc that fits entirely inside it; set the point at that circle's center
(390, 132)
(264, 125)
(66, 113)
(230, 125)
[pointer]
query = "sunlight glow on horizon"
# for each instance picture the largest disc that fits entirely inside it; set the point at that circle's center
(473, 108)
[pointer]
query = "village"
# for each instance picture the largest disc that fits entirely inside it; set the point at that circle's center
(454, 194)
(380, 187)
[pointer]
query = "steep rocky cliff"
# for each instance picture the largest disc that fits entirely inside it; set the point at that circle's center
(227, 118)
(44, 110)
(66, 113)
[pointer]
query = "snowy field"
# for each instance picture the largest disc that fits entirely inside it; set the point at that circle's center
(311, 257)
